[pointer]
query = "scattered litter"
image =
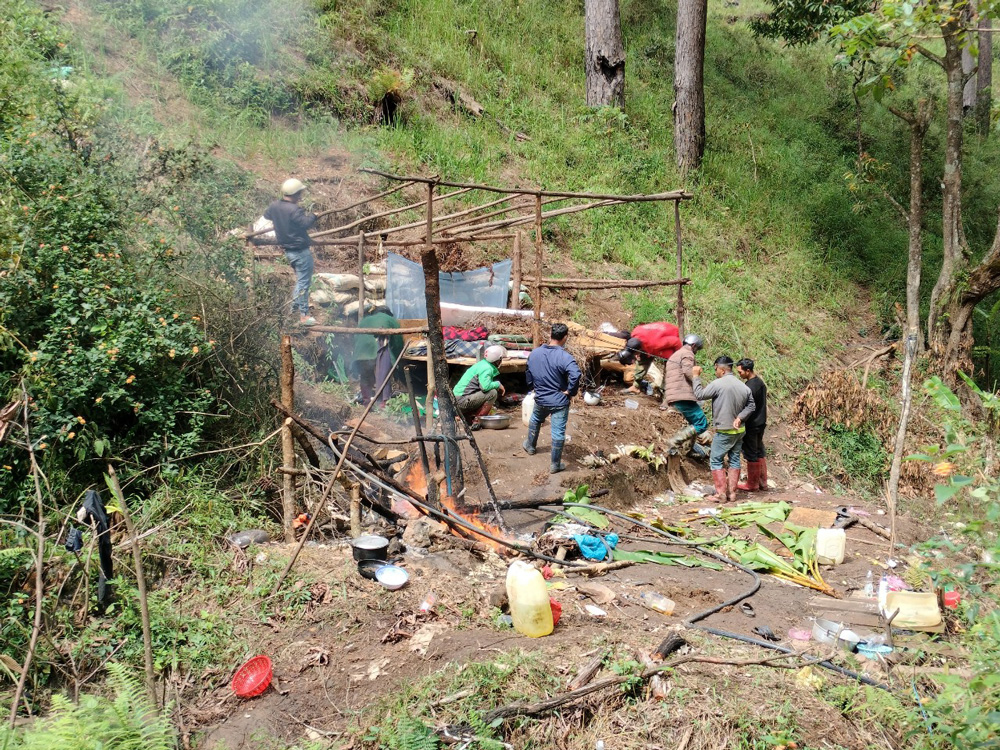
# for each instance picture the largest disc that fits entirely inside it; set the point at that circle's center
(428, 602)
(422, 638)
(600, 593)
(952, 599)
(595, 611)
(244, 539)
(799, 634)
(716, 512)
(556, 608)
(253, 677)
(874, 650)
(807, 677)
(631, 404)
(747, 609)
(657, 602)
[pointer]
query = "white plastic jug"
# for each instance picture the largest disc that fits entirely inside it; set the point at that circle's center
(830, 546)
(529, 600)
(527, 406)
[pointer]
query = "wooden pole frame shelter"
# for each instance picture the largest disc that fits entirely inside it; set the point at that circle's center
(495, 220)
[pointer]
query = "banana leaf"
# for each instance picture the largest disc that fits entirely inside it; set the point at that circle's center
(593, 517)
(665, 558)
(748, 514)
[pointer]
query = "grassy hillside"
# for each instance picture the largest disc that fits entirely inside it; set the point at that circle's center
(772, 239)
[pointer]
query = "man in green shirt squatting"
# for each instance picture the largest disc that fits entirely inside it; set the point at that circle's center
(479, 388)
(732, 403)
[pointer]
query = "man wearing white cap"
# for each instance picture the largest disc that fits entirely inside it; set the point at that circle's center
(291, 227)
(479, 388)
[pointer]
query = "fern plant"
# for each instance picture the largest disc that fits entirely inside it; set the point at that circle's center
(129, 721)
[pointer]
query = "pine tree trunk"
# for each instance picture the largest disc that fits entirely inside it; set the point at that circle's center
(605, 54)
(944, 294)
(689, 84)
(984, 78)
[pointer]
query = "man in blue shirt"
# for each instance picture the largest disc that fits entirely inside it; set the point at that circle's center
(555, 377)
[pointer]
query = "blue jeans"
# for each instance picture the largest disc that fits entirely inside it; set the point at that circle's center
(693, 414)
(724, 444)
(560, 416)
(301, 262)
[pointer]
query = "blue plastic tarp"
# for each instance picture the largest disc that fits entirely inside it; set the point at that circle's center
(481, 287)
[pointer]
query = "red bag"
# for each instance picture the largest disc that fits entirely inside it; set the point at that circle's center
(659, 339)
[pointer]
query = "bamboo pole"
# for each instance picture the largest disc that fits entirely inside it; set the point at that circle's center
(680, 287)
(140, 582)
(287, 445)
(361, 276)
(515, 292)
(515, 221)
(339, 210)
(390, 212)
(553, 283)
(536, 328)
(351, 242)
(904, 418)
(353, 331)
(669, 196)
(356, 510)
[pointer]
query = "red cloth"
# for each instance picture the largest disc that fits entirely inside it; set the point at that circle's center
(479, 333)
(659, 339)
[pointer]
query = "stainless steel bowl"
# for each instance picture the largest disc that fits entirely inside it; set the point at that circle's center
(495, 422)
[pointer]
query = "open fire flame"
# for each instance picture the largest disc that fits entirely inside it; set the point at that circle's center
(416, 480)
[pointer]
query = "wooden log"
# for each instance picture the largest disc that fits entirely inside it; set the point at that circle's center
(383, 214)
(354, 331)
(515, 291)
(515, 221)
(553, 283)
(587, 672)
(287, 445)
(536, 327)
(432, 497)
(667, 646)
(355, 511)
(339, 210)
(361, 276)
(671, 196)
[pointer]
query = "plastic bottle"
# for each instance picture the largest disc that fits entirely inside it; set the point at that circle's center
(830, 546)
(527, 406)
(529, 600)
(429, 601)
(870, 586)
(657, 602)
(631, 404)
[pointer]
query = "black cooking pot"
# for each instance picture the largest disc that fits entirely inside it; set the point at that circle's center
(367, 568)
(369, 547)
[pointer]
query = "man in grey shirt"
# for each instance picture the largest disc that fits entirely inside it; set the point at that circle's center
(732, 402)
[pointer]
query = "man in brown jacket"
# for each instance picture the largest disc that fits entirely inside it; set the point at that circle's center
(678, 392)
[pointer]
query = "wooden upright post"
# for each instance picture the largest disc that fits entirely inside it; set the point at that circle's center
(536, 328)
(515, 291)
(680, 287)
(361, 276)
(438, 363)
(287, 444)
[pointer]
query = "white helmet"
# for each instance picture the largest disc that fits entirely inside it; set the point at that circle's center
(495, 353)
(291, 187)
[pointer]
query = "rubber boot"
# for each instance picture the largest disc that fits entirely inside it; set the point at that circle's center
(557, 465)
(686, 433)
(734, 479)
(719, 480)
(484, 411)
(753, 477)
(762, 468)
(532, 439)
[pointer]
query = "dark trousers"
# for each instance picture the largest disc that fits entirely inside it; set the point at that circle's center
(753, 443)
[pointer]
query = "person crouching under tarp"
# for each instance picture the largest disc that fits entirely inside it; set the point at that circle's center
(479, 388)
(374, 355)
(647, 341)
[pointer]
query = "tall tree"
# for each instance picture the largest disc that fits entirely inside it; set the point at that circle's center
(890, 38)
(605, 54)
(984, 78)
(689, 84)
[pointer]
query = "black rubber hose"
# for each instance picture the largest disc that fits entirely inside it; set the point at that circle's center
(784, 649)
(696, 617)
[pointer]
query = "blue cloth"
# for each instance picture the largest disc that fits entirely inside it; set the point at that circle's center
(560, 416)
(725, 443)
(301, 262)
(693, 413)
(592, 548)
(551, 371)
